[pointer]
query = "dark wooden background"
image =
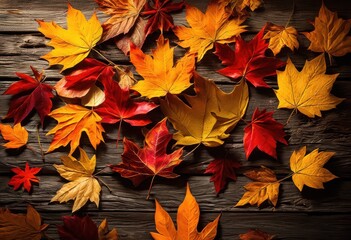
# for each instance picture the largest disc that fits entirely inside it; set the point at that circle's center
(312, 214)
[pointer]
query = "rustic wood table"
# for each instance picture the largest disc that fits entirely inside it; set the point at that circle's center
(312, 214)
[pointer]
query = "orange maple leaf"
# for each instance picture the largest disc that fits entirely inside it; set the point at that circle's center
(72, 121)
(16, 136)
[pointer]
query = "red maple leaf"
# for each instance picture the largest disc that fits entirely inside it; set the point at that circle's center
(139, 164)
(222, 170)
(263, 132)
(29, 93)
(24, 177)
(75, 228)
(159, 15)
(248, 60)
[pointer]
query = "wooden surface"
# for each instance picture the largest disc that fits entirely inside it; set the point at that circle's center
(312, 214)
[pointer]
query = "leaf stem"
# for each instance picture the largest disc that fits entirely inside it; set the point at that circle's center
(290, 116)
(284, 178)
(32, 149)
(192, 150)
(105, 184)
(152, 182)
(97, 173)
(291, 14)
(108, 60)
(119, 132)
(40, 146)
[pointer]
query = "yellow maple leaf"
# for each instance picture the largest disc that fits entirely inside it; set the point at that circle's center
(73, 44)
(210, 115)
(280, 36)
(16, 136)
(265, 187)
(207, 28)
(187, 219)
(160, 76)
(72, 121)
(331, 34)
(308, 169)
(83, 185)
(307, 91)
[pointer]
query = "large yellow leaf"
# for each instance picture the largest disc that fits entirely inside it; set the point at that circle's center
(331, 34)
(187, 219)
(73, 44)
(207, 28)
(308, 169)
(73, 120)
(210, 115)
(160, 76)
(307, 91)
(83, 186)
(16, 136)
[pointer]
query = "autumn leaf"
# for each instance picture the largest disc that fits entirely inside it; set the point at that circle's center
(123, 15)
(280, 37)
(207, 28)
(265, 187)
(248, 60)
(222, 170)
(20, 226)
(25, 177)
(16, 136)
(73, 120)
(139, 164)
(94, 97)
(256, 234)
(160, 76)
(83, 228)
(307, 91)
(308, 169)
(187, 220)
(28, 94)
(208, 116)
(263, 132)
(83, 185)
(238, 7)
(73, 44)
(158, 15)
(331, 34)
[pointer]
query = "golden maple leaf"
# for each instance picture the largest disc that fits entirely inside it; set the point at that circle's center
(73, 44)
(160, 76)
(210, 115)
(308, 169)
(307, 91)
(16, 136)
(207, 28)
(72, 121)
(330, 34)
(187, 219)
(265, 187)
(280, 36)
(20, 226)
(83, 185)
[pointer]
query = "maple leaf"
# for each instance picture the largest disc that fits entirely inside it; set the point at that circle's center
(158, 15)
(119, 106)
(73, 120)
(83, 228)
(20, 226)
(256, 234)
(207, 28)
(307, 91)
(248, 60)
(222, 170)
(265, 187)
(16, 136)
(29, 93)
(73, 44)
(331, 34)
(83, 185)
(160, 76)
(84, 76)
(187, 220)
(263, 132)
(308, 169)
(139, 164)
(123, 14)
(238, 7)
(208, 116)
(280, 36)
(25, 177)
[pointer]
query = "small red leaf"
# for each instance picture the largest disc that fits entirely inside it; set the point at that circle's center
(78, 228)
(24, 177)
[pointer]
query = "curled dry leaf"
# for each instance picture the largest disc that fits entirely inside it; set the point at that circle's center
(94, 97)
(308, 169)
(238, 7)
(73, 44)
(187, 219)
(25, 177)
(16, 136)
